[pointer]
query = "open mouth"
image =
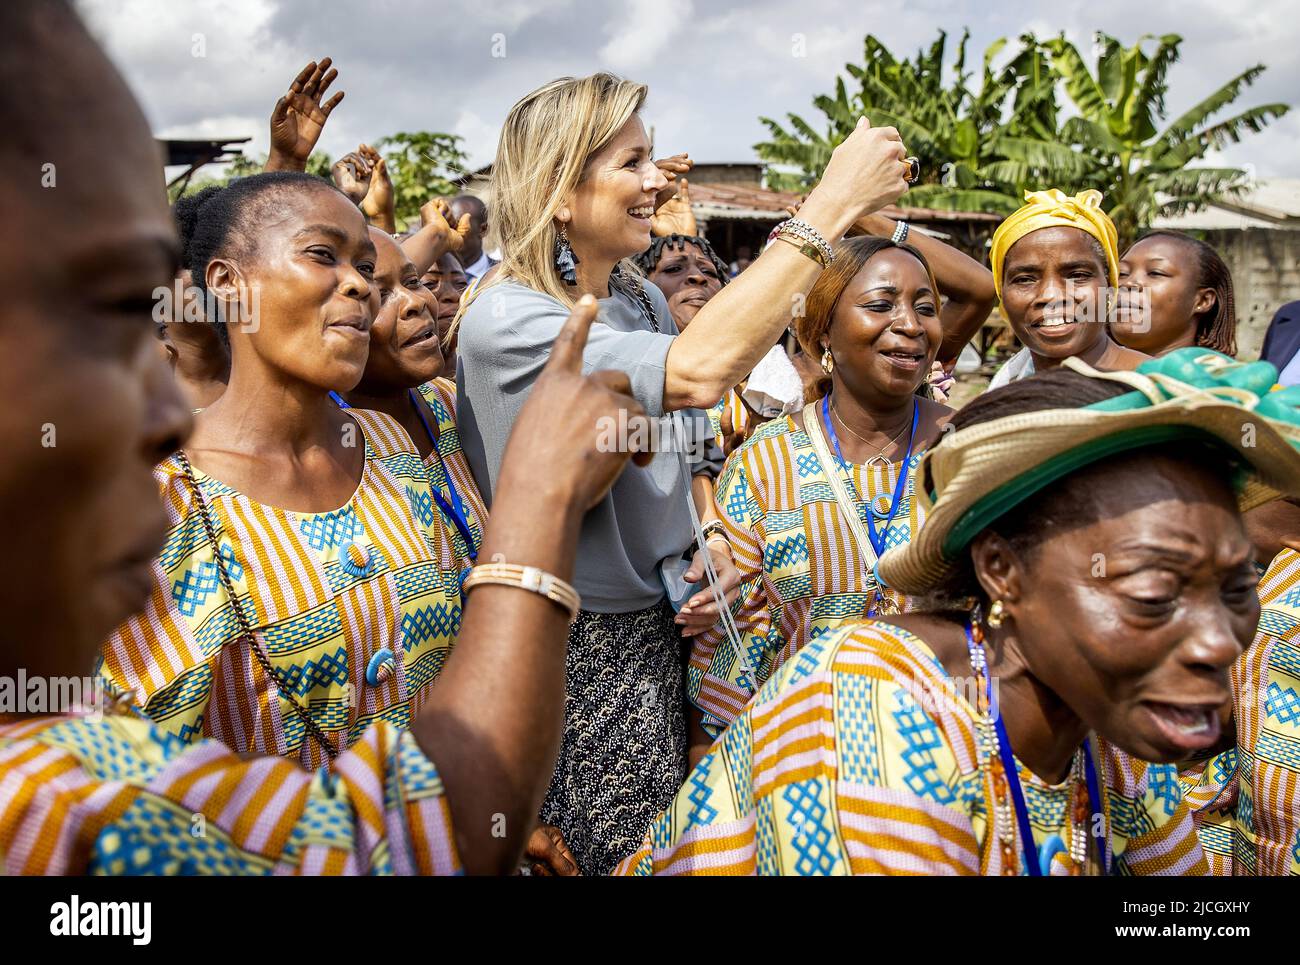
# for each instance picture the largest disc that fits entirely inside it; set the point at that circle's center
(907, 360)
(422, 336)
(1054, 324)
(643, 213)
(1193, 727)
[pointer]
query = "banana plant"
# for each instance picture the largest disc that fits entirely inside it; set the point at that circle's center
(1145, 172)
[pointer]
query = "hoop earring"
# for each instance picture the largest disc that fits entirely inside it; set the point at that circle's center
(997, 614)
(566, 262)
(828, 362)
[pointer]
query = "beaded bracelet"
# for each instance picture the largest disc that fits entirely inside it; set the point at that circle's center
(802, 229)
(529, 578)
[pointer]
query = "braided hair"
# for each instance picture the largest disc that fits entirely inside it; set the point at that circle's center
(649, 259)
(226, 222)
(1216, 328)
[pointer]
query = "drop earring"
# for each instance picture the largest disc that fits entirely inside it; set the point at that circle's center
(566, 262)
(997, 613)
(828, 361)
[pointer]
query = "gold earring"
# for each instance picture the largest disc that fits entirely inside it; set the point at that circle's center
(828, 362)
(997, 613)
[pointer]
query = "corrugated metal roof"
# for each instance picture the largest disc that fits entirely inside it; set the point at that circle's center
(1271, 203)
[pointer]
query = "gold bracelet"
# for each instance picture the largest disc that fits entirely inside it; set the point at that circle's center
(805, 248)
(529, 578)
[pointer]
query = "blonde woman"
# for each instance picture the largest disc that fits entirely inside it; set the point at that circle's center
(574, 187)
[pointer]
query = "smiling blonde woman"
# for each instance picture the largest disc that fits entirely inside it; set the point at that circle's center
(573, 188)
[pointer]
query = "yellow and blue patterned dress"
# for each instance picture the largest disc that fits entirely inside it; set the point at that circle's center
(448, 459)
(802, 575)
(727, 418)
(326, 594)
(117, 796)
(1247, 799)
(859, 757)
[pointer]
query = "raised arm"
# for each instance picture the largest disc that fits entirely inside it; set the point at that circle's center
(740, 323)
(966, 284)
(438, 235)
(492, 725)
(299, 116)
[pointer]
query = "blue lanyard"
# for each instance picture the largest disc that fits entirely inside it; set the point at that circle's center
(454, 512)
(878, 540)
(1032, 863)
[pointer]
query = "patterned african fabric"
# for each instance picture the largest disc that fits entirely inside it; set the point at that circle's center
(117, 796)
(623, 749)
(859, 757)
(727, 418)
(1247, 799)
(440, 394)
(324, 593)
(802, 574)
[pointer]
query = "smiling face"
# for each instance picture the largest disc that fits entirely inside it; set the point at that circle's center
(446, 281)
(608, 216)
(404, 348)
(1134, 619)
(688, 279)
(92, 407)
(1162, 273)
(884, 331)
(1054, 292)
(311, 267)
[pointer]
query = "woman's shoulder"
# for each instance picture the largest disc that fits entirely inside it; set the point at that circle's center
(861, 652)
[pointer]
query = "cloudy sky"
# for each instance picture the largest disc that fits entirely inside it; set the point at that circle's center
(713, 66)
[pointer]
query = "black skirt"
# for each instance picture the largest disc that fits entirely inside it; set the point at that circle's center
(623, 753)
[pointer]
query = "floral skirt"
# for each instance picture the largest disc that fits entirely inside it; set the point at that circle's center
(623, 753)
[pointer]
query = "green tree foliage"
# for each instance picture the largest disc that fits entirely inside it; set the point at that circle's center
(982, 147)
(423, 165)
(1139, 163)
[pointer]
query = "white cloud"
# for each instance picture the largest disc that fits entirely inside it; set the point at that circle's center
(644, 32)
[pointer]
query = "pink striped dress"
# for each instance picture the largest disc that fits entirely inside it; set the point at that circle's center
(116, 796)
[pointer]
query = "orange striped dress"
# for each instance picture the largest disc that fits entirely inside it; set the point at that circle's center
(801, 572)
(326, 593)
(859, 757)
(1247, 799)
(117, 796)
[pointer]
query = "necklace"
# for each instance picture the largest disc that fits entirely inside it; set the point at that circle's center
(1009, 810)
(881, 451)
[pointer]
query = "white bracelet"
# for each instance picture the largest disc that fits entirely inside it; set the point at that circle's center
(900, 232)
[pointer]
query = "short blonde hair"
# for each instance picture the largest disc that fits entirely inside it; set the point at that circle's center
(546, 142)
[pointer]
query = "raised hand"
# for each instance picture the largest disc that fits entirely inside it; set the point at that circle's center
(865, 173)
(436, 236)
(436, 216)
(299, 116)
(351, 175)
(675, 216)
(378, 204)
(671, 168)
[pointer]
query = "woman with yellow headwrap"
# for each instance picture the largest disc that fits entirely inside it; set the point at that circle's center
(1056, 269)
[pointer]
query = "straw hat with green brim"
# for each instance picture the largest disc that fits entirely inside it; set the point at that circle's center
(979, 473)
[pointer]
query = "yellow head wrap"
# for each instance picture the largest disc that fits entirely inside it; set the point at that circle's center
(1054, 208)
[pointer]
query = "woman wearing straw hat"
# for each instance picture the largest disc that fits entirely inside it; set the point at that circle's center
(1056, 270)
(1246, 800)
(813, 499)
(574, 186)
(1090, 586)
